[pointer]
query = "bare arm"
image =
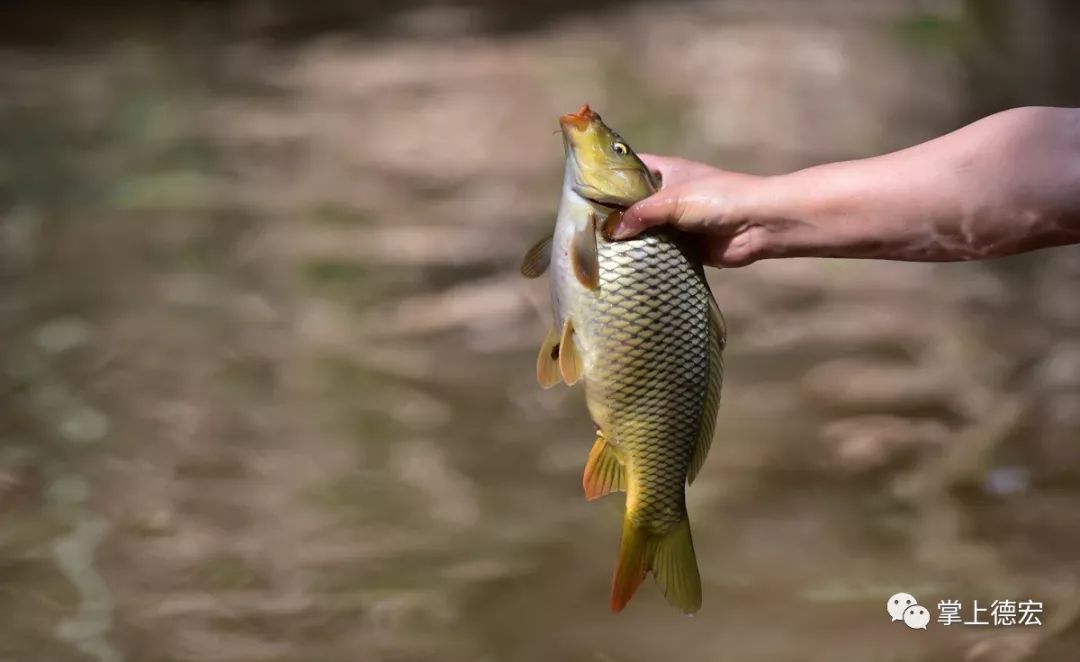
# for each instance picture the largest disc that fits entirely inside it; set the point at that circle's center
(1006, 184)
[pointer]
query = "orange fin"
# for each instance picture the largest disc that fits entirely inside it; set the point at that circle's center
(604, 472)
(583, 257)
(671, 559)
(547, 361)
(631, 568)
(569, 360)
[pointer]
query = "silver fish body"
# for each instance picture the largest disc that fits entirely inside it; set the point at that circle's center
(635, 321)
(650, 353)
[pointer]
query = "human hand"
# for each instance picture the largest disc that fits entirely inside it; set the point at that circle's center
(700, 199)
(1003, 185)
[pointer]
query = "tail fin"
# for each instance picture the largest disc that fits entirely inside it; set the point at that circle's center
(670, 558)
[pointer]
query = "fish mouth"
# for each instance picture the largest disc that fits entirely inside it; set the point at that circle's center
(579, 120)
(573, 125)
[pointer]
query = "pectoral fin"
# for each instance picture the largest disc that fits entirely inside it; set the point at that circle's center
(537, 259)
(604, 472)
(583, 256)
(607, 228)
(569, 360)
(547, 361)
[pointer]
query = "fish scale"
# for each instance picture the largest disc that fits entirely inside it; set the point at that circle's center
(650, 369)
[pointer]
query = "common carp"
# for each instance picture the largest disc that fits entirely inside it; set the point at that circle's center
(636, 322)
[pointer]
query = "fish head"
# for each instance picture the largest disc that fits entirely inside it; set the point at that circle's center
(603, 167)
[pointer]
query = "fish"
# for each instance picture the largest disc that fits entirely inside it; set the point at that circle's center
(636, 322)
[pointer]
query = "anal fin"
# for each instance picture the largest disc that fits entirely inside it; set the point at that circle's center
(604, 471)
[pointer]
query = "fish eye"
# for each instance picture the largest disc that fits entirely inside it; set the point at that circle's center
(620, 148)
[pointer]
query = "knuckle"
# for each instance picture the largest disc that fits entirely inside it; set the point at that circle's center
(748, 245)
(679, 208)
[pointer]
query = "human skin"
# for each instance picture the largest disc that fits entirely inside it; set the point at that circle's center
(1006, 184)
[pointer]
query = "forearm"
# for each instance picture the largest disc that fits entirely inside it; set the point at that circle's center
(1006, 184)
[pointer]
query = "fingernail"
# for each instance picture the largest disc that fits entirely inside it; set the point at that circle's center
(622, 231)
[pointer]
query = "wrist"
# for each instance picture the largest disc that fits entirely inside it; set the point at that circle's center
(836, 210)
(790, 217)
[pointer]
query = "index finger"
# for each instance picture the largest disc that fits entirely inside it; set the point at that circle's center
(655, 163)
(672, 170)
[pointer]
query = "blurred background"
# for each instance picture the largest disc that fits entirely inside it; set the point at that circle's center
(266, 380)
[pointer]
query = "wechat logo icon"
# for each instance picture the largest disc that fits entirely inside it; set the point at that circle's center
(904, 607)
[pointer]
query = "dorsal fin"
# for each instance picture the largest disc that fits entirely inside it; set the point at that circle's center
(717, 340)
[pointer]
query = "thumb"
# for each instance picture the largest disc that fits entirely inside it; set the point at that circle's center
(698, 205)
(653, 211)
(665, 206)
